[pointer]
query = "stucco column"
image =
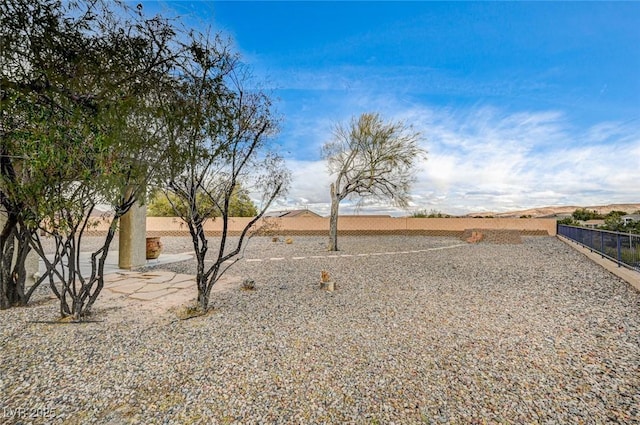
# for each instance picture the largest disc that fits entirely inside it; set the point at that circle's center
(132, 238)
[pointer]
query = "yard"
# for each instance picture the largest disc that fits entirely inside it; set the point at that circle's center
(419, 330)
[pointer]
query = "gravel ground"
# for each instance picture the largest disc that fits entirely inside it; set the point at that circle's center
(456, 333)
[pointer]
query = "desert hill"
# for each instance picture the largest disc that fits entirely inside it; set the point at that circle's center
(560, 210)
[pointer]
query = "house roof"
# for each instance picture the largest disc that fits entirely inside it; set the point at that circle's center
(556, 215)
(291, 213)
(595, 222)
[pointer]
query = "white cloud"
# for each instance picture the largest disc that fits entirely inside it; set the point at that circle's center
(309, 187)
(485, 160)
(537, 159)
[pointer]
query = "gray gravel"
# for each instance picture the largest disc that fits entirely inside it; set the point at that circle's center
(531, 333)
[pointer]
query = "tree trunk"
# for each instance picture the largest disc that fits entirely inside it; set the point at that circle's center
(14, 248)
(7, 292)
(6, 260)
(203, 297)
(333, 220)
(97, 268)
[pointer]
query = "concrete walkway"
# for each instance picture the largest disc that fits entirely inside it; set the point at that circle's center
(111, 265)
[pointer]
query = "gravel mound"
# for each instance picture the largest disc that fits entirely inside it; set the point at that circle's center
(420, 330)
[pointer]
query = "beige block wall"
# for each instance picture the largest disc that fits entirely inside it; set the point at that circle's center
(361, 224)
(460, 224)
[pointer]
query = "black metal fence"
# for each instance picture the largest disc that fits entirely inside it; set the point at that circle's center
(623, 248)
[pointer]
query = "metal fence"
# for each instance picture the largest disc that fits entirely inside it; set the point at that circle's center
(623, 248)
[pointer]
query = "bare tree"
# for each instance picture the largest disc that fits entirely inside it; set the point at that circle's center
(220, 131)
(370, 158)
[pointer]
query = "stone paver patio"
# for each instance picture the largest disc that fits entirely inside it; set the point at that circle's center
(146, 286)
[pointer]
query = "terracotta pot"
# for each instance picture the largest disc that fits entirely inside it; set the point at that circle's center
(154, 248)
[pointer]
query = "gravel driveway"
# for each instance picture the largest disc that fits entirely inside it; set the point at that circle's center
(420, 330)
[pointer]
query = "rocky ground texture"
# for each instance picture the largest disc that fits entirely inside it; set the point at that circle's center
(419, 330)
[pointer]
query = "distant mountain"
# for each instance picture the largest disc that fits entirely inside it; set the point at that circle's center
(560, 210)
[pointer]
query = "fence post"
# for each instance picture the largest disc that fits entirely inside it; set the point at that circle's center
(619, 249)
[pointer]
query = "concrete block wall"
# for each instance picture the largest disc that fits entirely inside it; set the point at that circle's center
(496, 236)
(360, 225)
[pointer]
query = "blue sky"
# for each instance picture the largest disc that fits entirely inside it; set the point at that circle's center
(521, 104)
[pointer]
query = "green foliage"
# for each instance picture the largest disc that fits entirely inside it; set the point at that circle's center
(98, 101)
(159, 205)
(614, 213)
(165, 204)
(370, 158)
(218, 132)
(627, 254)
(78, 124)
(583, 214)
(633, 227)
(241, 205)
(430, 214)
(419, 214)
(614, 222)
(568, 221)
